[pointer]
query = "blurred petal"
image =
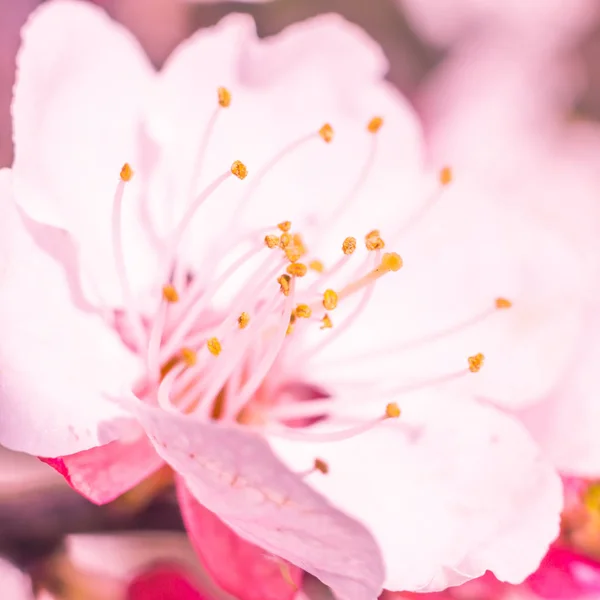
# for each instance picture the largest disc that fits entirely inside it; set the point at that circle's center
(565, 422)
(163, 583)
(15, 585)
(56, 361)
(449, 491)
(239, 567)
(102, 474)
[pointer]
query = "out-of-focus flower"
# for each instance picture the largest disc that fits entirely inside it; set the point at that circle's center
(15, 584)
(531, 25)
(537, 159)
(169, 316)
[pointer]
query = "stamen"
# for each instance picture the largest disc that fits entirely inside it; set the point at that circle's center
(170, 293)
(502, 303)
(303, 311)
(390, 262)
(266, 362)
(284, 284)
(316, 265)
(271, 241)
(446, 176)
(285, 226)
(392, 411)
(375, 124)
(349, 245)
(238, 168)
(330, 299)
(243, 320)
(326, 132)
(476, 362)
(133, 316)
(308, 435)
(224, 100)
(373, 241)
(293, 253)
(224, 97)
(214, 346)
(321, 466)
(297, 269)
(189, 356)
(126, 172)
(327, 324)
(285, 240)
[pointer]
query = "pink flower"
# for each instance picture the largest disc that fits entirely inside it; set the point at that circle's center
(146, 318)
(536, 160)
(15, 585)
(531, 25)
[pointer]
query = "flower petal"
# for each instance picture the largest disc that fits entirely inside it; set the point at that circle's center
(273, 107)
(450, 490)
(233, 472)
(239, 567)
(566, 575)
(93, 78)
(163, 583)
(15, 585)
(565, 421)
(103, 473)
(56, 360)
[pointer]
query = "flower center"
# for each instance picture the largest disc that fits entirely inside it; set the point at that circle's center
(222, 363)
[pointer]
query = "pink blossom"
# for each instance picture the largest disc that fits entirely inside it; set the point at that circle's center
(144, 319)
(536, 161)
(15, 585)
(531, 25)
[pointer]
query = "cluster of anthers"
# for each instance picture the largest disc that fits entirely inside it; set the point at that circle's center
(219, 366)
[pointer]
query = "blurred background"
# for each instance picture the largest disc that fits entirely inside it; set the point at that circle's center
(523, 74)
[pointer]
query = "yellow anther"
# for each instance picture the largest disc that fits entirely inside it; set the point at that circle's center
(330, 299)
(284, 284)
(243, 320)
(392, 411)
(391, 261)
(445, 175)
(349, 245)
(321, 465)
(316, 265)
(297, 269)
(293, 253)
(476, 362)
(170, 293)
(375, 124)
(303, 311)
(285, 240)
(326, 132)
(299, 242)
(271, 241)
(327, 324)
(285, 226)
(126, 172)
(224, 96)
(373, 240)
(188, 356)
(238, 168)
(214, 346)
(503, 303)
